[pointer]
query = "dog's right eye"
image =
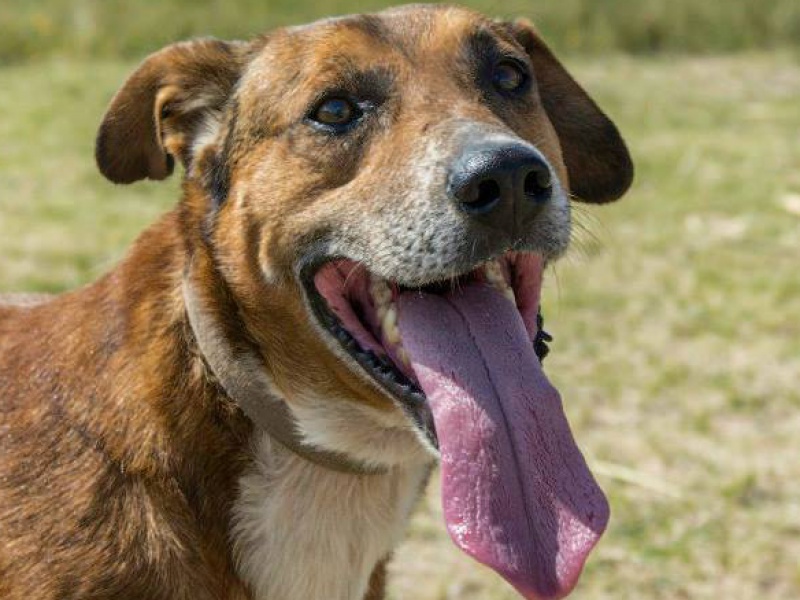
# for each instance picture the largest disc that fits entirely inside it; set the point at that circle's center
(335, 113)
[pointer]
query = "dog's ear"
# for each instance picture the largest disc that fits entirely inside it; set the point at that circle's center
(599, 166)
(163, 106)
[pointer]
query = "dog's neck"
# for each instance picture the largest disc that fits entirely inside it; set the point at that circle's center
(236, 364)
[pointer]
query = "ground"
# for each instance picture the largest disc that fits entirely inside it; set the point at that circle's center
(676, 314)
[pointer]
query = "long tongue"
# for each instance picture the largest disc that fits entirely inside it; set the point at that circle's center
(516, 491)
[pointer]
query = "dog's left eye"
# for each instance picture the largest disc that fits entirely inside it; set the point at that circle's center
(336, 112)
(508, 76)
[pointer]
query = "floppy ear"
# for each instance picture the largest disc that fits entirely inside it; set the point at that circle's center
(163, 106)
(599, 166)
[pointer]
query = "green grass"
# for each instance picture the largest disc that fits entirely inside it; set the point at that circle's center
(131, 28)
(676, 314)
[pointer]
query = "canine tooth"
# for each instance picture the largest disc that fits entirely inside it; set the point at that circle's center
(389, 326)
(403, 355)
(492, 269)
(393, 336)
(494, 275)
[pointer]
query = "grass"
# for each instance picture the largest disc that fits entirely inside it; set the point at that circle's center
(676, 314)
(132, 28)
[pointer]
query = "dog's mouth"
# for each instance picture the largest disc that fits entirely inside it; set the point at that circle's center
(461, 357)
(360, 310)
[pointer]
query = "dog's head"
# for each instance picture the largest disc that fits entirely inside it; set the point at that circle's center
(373, 190)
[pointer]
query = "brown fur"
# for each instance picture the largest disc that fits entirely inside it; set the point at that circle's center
(119, 453)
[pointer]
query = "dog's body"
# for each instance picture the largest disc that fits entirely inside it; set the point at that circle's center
(100, 500)
(133, 465)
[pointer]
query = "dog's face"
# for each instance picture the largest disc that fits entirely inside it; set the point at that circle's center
(362, 184)
(386, 114)
(407, 148)
(397, 141)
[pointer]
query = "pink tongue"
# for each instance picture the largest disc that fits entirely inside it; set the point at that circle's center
(516, 491)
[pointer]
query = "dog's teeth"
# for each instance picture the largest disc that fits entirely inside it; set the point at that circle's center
(381, 293)
(389, 326)
(493, 273)
(494, 277)
(392, 335)
(403, 355)
(381, 297)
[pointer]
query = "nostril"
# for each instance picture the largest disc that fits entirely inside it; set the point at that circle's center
(484, 198)
(538, 184)
(488, 192)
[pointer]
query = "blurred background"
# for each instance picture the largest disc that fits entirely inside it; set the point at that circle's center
(129, 29)
(676, 315)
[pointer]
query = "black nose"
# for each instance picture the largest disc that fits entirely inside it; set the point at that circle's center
(502, 185)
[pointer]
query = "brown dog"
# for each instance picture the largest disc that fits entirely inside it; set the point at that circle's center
(250, 404)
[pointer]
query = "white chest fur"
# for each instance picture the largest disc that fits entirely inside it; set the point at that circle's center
(306, 533)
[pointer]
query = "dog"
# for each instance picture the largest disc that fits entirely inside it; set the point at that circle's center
(249, 405)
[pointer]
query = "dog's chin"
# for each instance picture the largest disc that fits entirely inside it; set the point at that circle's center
(356, 312)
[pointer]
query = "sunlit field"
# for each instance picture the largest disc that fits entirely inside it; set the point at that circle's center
(676, 315)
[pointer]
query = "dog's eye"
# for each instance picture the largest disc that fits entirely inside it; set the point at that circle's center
(336, 112)
(508, 76)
